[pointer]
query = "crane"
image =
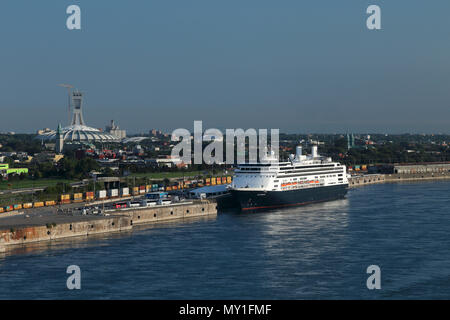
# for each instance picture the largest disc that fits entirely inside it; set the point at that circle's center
(69, 87)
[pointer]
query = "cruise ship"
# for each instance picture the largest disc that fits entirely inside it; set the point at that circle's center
(302, 180)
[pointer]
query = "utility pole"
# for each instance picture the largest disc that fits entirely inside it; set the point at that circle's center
(94, 179)
(32, 190)
(134, 185)
(69, 87)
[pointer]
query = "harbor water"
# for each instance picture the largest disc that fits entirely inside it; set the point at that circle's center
(319, 251)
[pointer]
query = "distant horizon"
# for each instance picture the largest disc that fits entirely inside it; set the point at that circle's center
(137, 133)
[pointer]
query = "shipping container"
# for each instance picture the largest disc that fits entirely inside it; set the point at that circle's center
(50, 203)
(9, 208)
(112, 193)
(125, 192)
(38, 204)
(90, 195)
(28, 205)
(77, 197)
(101, 194)
(64, 198)
(2, 209)
(17, 206)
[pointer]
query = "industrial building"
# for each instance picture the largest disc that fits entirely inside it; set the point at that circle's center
(422, 168)
(114, 130)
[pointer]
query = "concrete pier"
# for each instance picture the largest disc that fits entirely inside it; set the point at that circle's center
(20, 230)
(51, 231)
(361, 180)
(172, 212)
(417, 176)
(357, 181)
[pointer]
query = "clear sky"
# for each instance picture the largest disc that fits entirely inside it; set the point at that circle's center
(296, 65)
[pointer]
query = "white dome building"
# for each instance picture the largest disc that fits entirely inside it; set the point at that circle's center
(78, 131)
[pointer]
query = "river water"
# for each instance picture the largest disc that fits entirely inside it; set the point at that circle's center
(319, 251)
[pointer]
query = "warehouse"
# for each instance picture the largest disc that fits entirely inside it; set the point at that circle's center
(422, 168)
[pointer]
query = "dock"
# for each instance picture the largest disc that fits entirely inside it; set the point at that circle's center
(368, 179)
(34, 226)
(361, 180)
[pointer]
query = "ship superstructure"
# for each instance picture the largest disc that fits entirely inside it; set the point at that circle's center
(304, 179)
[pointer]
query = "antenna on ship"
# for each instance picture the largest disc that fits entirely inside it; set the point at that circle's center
(69, 87)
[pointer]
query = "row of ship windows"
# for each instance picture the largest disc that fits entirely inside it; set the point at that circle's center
(295, 179)
(304, 178)
(309, 167)
(337, 169)
(295, 169)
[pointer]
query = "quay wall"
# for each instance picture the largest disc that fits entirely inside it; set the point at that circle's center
(173, 212)
(119, 220)
(24, 235)
(357, 181)
(362, 180)
(417, 176)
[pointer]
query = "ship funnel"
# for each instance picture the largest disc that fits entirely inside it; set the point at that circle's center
(298, 151)
(314, 153)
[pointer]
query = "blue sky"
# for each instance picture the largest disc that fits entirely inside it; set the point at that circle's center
(300, 66)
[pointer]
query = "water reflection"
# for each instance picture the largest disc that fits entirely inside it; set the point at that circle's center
(295, 239)
(313, 224)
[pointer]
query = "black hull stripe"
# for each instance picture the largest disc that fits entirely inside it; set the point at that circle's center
(254, 200)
